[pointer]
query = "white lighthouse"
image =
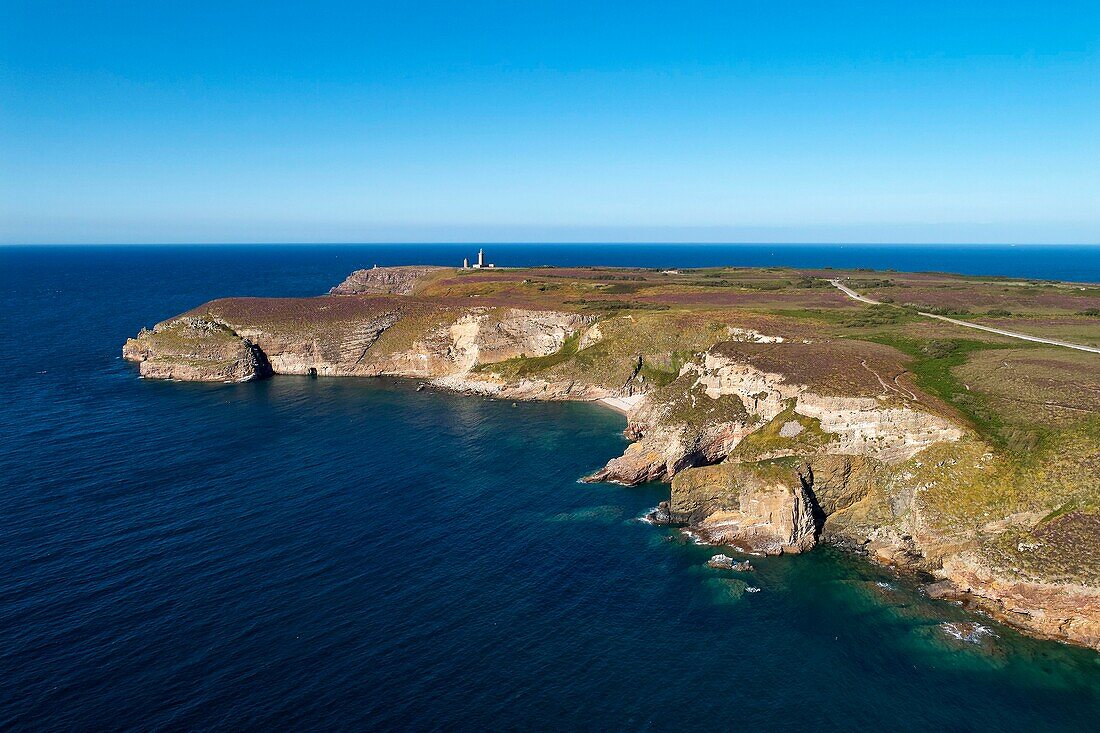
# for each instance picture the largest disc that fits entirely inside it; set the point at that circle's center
(480, 261)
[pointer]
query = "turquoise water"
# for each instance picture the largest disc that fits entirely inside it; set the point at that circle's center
(349, 554)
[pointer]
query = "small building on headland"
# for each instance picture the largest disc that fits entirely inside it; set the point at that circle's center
(479, 264)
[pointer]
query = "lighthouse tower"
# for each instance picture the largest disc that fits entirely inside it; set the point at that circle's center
(480, 258)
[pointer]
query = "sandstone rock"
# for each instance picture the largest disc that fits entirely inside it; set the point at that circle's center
(839, 481)
(483, 336)
(339, 340)
(196, 350)
(751, 336)
(1063, 611)
(864, 426)
(790, 429)
(677, 427)
(753, 508)
(591, 336)
(523, 389)
(821, 441)
(941, 590)
(334, 352)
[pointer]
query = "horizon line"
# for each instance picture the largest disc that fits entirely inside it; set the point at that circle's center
(550, 243)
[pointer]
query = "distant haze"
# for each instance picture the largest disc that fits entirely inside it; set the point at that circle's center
(539, 121)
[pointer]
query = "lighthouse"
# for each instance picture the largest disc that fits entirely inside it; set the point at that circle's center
(480, 261)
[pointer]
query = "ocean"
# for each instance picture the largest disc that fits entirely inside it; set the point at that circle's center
(345, 554)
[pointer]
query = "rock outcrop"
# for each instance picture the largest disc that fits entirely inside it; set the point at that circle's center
(385, 280)
(195, 349)
(755, 509)
(719, 400)
(867, 505)
(1061, 611)
(482, 336)
(725, 562)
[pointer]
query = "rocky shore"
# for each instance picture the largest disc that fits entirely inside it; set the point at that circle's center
(772, 443)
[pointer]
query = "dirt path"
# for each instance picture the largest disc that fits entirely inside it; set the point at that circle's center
(1011, 334)
(887, 388)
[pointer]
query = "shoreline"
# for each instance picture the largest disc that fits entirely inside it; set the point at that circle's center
(974, 603)
(622, 404)
(815, 393)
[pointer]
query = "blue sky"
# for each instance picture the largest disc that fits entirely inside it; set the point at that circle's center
(528, 121)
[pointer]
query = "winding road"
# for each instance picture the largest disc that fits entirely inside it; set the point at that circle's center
(1011, 334)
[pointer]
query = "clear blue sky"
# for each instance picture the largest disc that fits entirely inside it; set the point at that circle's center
(558, 121)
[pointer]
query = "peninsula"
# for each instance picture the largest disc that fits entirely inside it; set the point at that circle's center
(943, 424)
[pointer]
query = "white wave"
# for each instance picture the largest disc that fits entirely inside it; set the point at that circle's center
(967, 631)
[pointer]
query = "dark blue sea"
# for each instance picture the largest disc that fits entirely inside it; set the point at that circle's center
(341, 554)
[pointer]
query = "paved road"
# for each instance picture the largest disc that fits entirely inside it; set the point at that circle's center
(1011, 334)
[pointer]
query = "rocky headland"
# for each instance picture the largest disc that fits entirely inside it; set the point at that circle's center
(782, 416)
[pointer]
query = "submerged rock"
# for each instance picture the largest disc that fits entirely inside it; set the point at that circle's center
(727, 590)
(604, 514)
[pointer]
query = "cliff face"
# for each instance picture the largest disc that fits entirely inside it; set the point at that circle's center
(719, 400)
(885, 509)
(1062, 611)
(194, 349)
(755, 511)
(771, 443)
(874, 471)
(241, 339)
(385, 280)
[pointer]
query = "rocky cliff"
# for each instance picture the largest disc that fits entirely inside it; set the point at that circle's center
(772, 443)
(385, 280)
(247, 338)
(753, 510)
(196, 349)
(723, 397)
(888, 511)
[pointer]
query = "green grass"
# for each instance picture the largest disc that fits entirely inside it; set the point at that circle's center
(932, 365)
(768, 439)
(659, 375)
(877, 315)
(1069, 506)
(866, 316)
(523, 366)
